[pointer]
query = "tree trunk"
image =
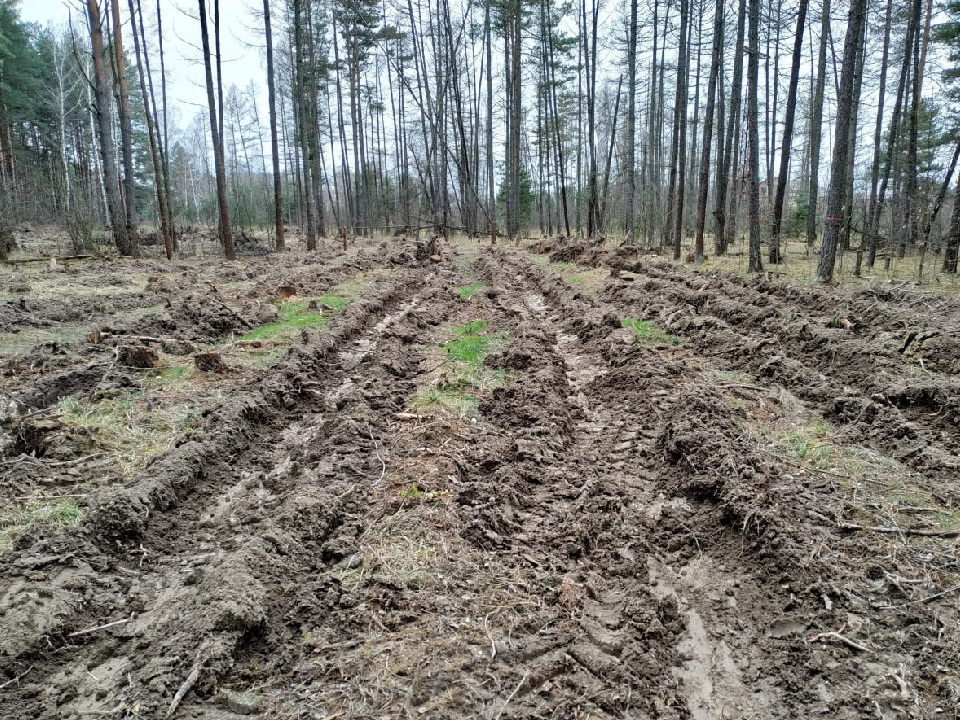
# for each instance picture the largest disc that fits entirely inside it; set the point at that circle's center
(683, 65)
(151, 132)
(274, 143)
(785, 148)
(753, 76)
(877, 210)
(952, 248)
(732, 136)
(226, 234)
(126, 132)
(869, 239)
(816, 128)
(630, 159)
(491, 193)
(852, 47)
(107, 147)
(716, 59)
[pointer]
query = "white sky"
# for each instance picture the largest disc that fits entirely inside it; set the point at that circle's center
(241, 43)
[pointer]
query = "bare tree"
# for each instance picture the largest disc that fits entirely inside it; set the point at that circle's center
(107, 148)
(226, 234)
(852, 46)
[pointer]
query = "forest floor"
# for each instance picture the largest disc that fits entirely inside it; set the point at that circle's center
(463, 481)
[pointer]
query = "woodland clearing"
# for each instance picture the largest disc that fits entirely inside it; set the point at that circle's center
(557, 480)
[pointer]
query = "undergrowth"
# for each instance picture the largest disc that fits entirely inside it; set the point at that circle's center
(645, 331)
(464, 378)
(468, 291)
(56, 512)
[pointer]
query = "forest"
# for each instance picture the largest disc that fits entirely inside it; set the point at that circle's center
(656, 126)
(484, 359)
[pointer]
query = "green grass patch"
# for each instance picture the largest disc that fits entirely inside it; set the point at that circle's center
(464, 378)
(645, 331)
(468, 291)
(470, 346)
(299, 314)
(58, 512)
(296, 315)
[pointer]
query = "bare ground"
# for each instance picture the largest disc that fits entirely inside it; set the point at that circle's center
(739, 503)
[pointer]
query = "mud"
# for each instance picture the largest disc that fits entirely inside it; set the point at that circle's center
(601, 536)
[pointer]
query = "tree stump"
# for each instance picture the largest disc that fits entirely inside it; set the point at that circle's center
(139, 357)
(210, 362)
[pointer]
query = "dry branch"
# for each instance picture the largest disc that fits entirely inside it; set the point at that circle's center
(902, 530)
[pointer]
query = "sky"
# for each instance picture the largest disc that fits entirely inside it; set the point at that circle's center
(241, 43)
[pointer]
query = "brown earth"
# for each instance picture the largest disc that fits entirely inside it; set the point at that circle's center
(742, 507)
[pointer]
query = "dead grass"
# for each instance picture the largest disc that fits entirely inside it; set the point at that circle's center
(800, 266)
(586, 279)
(17, 516)
(873, 489)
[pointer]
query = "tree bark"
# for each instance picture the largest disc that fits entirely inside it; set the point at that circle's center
(753, 75)
(816, 128)
(630, 159)
(731, 152)
(107, 147)
(226, 234)
(774, 256)
(852, 46)
(151, 132)
(126, 131)
(715, 60)
(274, 142)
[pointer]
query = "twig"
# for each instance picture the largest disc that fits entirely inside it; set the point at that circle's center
(186, 686)
(838, 635)
(101, 627)
(493, 645)
(17, 678)
(902, 530)
(511, 695)
(937, 596)
(383, 465)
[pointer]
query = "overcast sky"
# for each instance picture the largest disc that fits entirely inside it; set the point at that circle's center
(241, 42)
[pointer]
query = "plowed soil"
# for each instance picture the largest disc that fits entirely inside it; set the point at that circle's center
(657, 493)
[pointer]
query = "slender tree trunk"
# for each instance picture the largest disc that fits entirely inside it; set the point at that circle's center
(816, 129)
(838, 170)
(630, 159)
(716, 59)
(913, 121)
(731, 151)
(941, 196)
(952, 248)
(274, 142)
(107, 146)
(871, 230)
(152, 132)
(126, 131)
(491, 192)
(774, 256)
(877, 210)
(753, 74)
(226, 234)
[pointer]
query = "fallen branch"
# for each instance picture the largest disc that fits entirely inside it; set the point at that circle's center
(101, 627)
(513, 694)
(839, 636)
(47, 259)
(902, 531)
(186, 686)
(937, 596)
(17, 678)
